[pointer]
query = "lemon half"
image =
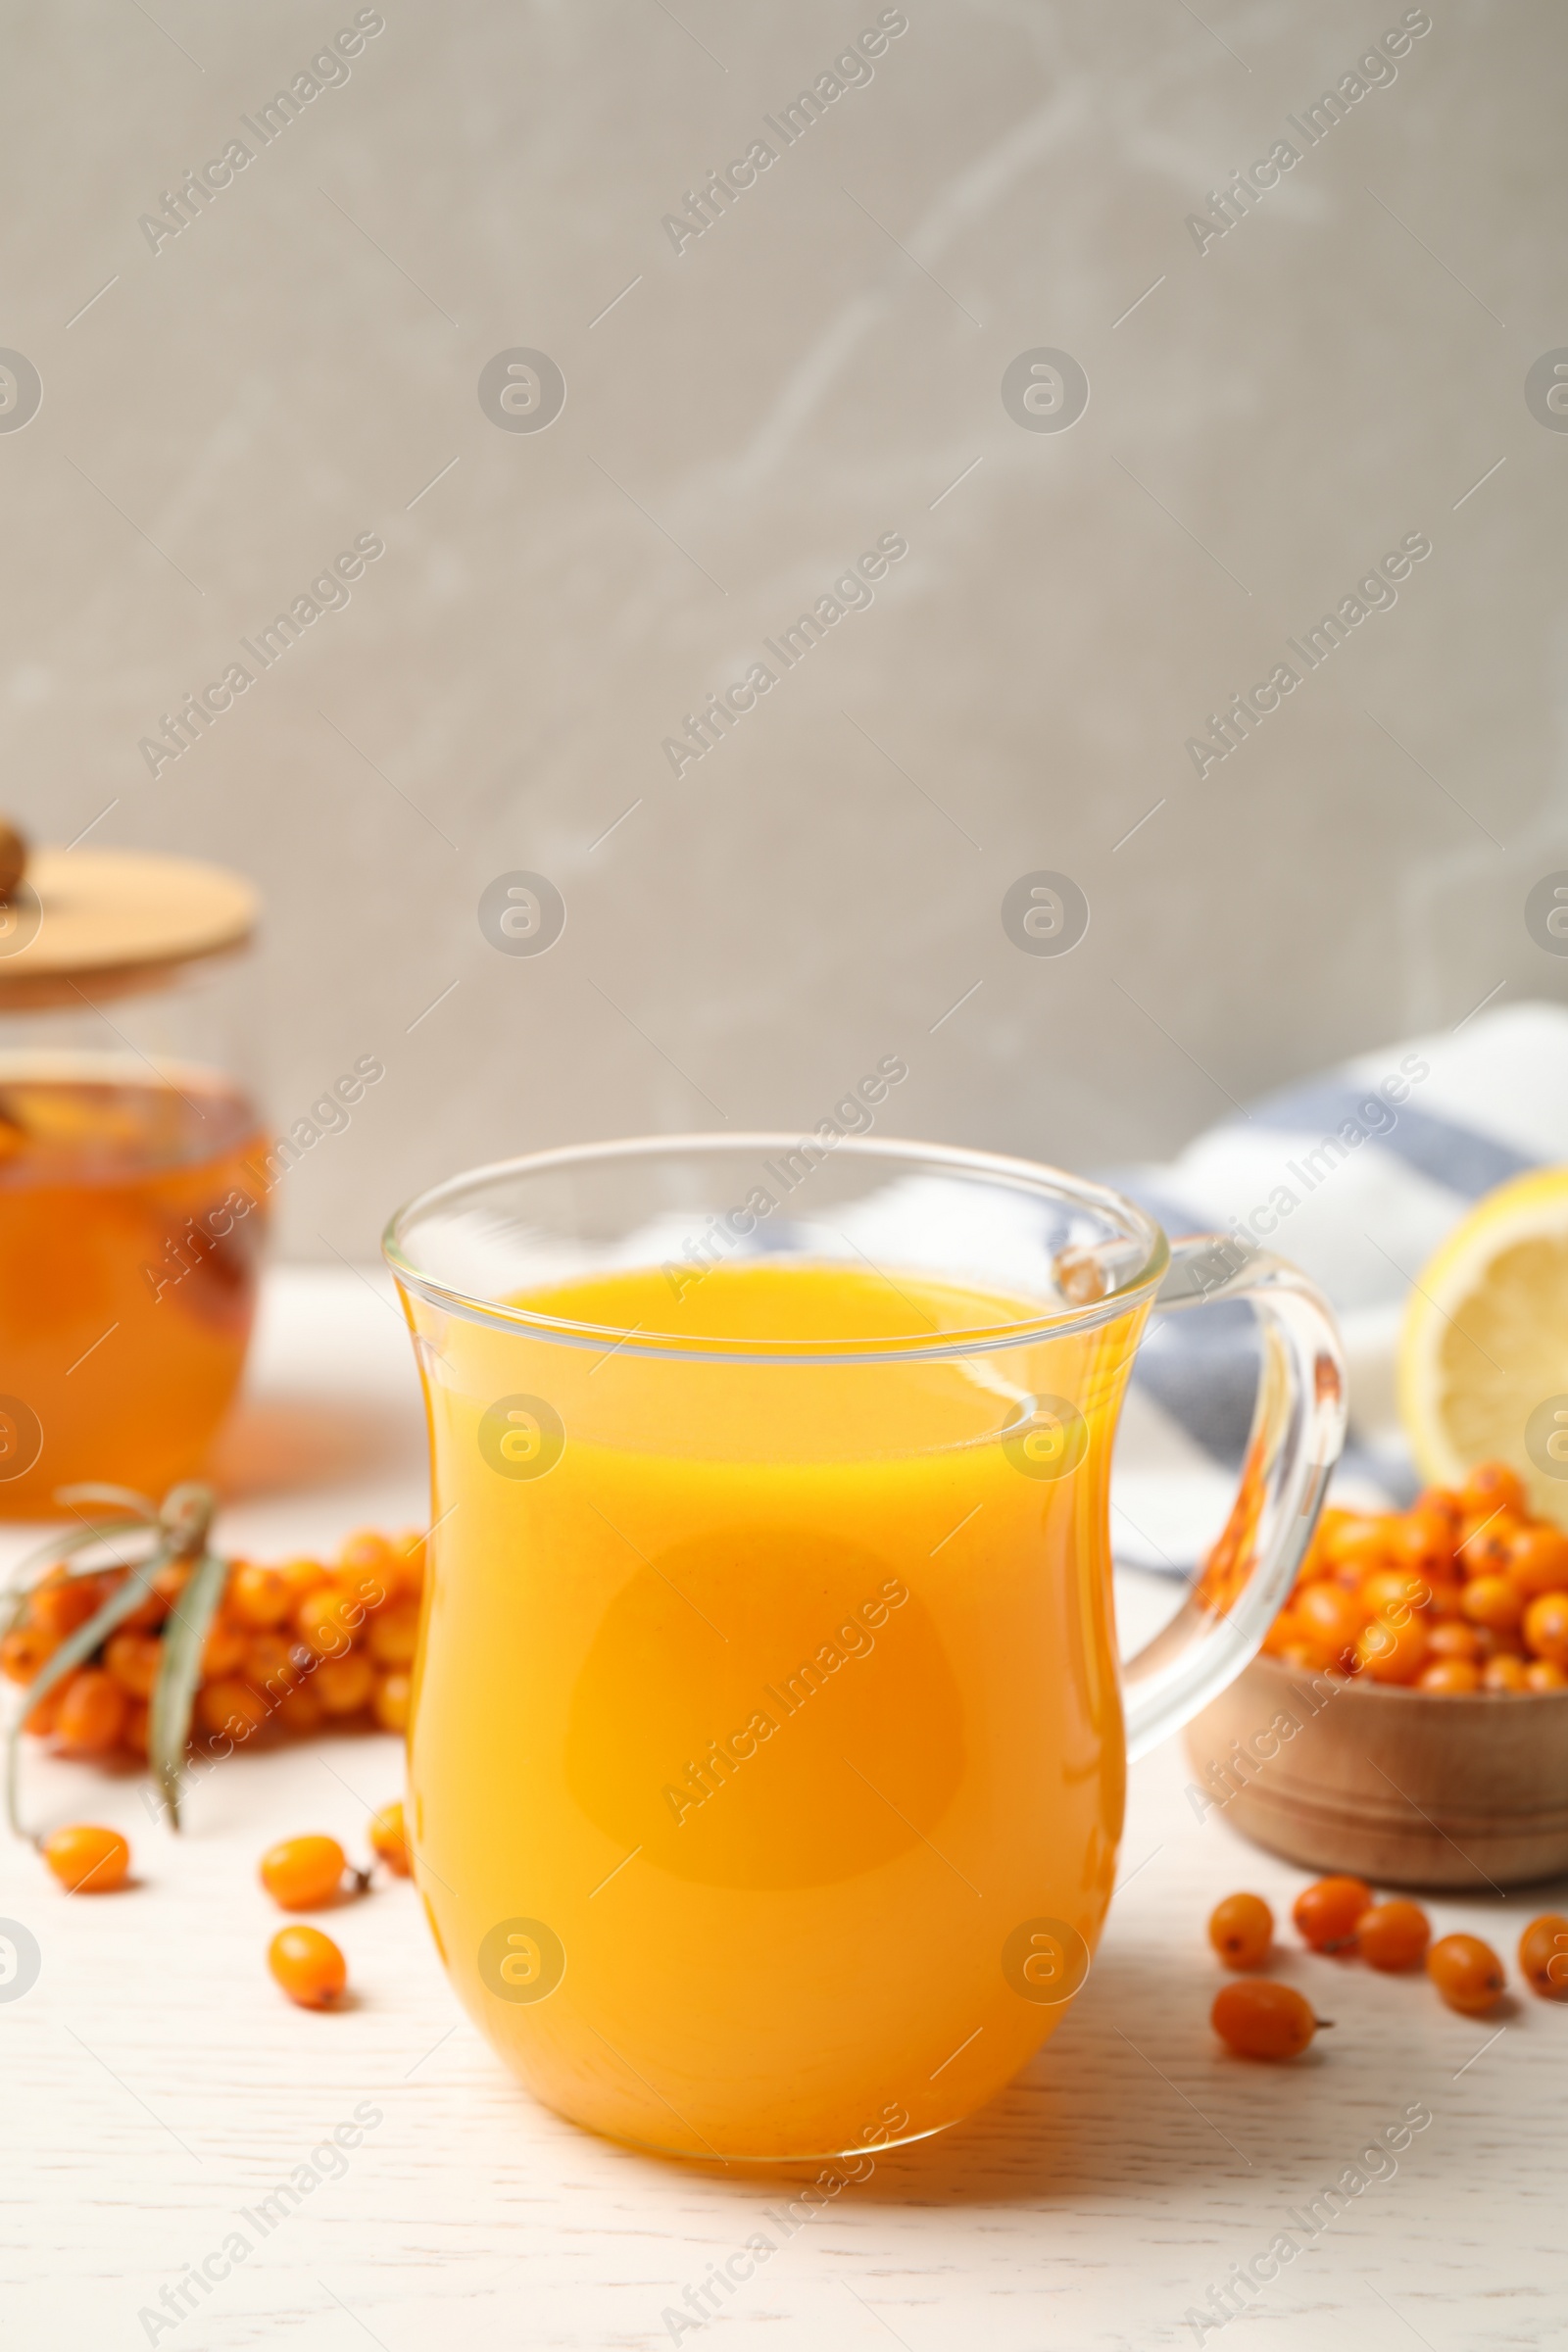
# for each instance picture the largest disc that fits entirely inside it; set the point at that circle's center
(1484, 1352)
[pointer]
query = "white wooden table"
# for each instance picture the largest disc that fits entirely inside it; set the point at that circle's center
(157, 2090)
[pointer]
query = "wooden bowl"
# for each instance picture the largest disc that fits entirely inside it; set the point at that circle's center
(1404, 1787)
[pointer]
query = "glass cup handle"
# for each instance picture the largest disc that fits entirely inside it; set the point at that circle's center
(1297, 1430)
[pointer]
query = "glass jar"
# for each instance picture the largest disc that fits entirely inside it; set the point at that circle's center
(133, 1173)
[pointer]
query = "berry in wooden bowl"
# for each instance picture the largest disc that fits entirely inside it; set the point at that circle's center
(1407, 1718)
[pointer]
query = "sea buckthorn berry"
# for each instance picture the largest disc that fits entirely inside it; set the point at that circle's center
(307, 1965)
(1493, 1599)
(300, 1712)
(1326, 1912)
(92, 1714)
(274, 1664)
(327, 1619)
(1241, 1929)
(303, 1873)
(1391, 1653)
(303, 1575)
(1541, 1675)
(1466, 1972)
(1449, 1678)
(1393, 1935)
(1504, 1672)
(1445, 1602)
(87, 1859)
(224, 1649)
(258, 1596)
(1393, 1593)
(1424, 1540)
(133, 1660)
(344, 1684)
(1485, 1546)
(133, 1731)
(1546, 1627)
(1329, 1615)
(57, 1607)
(1454, 1638)
(39, 1719)
(391, 1702)
(1259, 2019)
(1362, 1541)
(393, 1634)
(389, 1839)
(26, 1650)
(1490, 1484)
(230, 1707)
(368, 1550)
(1538, 1560)
(1440, 1503)
(1544, 1956)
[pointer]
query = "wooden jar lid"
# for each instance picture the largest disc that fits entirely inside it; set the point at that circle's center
(91, 923)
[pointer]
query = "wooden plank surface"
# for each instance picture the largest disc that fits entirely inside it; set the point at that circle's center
(157, 2090)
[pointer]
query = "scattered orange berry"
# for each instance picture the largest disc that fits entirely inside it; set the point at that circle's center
(389, 1840)
(1327, 1912)
(1393, 1935)
(87, 1859)
(1259, 2019)
(1241, 1929)
(1466, 1972)
(1544, 1956)
(307, 1965)
(303, 1873)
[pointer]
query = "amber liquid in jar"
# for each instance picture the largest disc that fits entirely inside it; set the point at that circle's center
(132, 1213)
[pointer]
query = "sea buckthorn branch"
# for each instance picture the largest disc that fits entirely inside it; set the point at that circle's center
(220, 1651)
(171, 1529)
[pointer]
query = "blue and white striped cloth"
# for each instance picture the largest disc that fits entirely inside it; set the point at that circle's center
(1354, 1176)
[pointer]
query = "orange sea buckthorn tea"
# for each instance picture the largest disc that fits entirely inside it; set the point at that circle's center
(126, 1278)
(133, 1173)
(768, 1746)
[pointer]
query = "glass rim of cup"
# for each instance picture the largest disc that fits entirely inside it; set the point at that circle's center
(1145, 1247)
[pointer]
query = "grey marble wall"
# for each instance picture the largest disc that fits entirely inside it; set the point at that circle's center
(231, 401)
